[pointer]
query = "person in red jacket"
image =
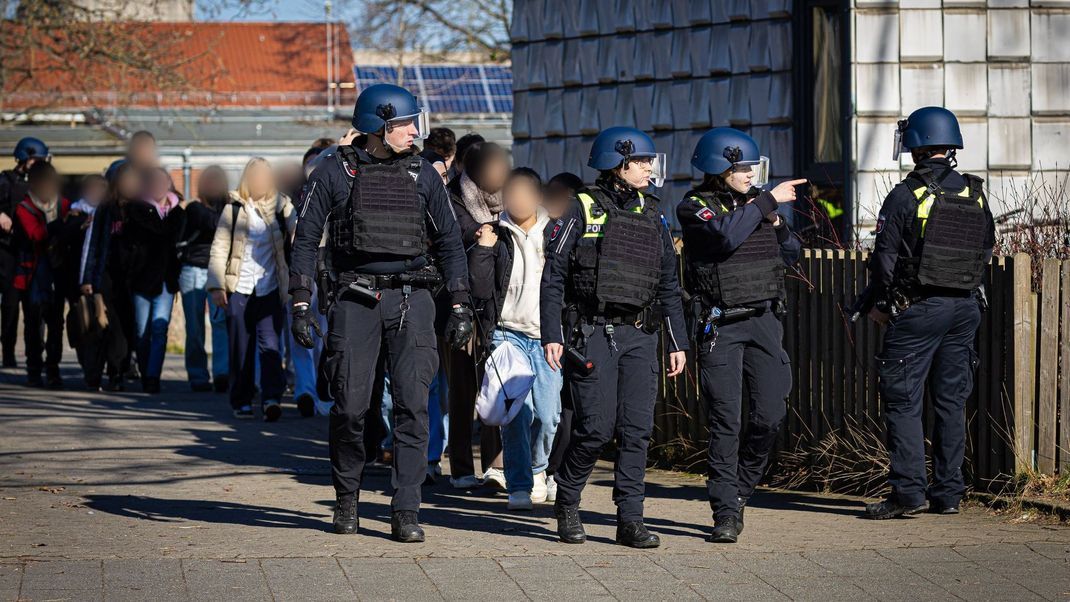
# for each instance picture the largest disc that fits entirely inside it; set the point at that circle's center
(37, 217)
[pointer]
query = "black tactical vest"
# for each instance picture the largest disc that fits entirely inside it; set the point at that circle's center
(384, 213)
(753, 272)
(950, 230)
(621, 266)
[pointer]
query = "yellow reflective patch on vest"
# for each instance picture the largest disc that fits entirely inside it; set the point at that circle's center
(926, 205)
(703, 202)
(595, 224)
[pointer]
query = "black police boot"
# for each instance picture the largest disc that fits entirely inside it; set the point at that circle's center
(942, 508)
(33, 379)
(635, 535)
(726, 530)
(742, 506)
(405, 527)
(891, 509)
(345, 515)
(569, 527)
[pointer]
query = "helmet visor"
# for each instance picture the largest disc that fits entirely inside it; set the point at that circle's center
(759, 168)
(658, 168)
(897, 141)
(421, 120)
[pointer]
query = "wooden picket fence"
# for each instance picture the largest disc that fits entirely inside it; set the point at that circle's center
(1018, 415)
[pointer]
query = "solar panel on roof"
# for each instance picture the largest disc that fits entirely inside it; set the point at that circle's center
(448, 88)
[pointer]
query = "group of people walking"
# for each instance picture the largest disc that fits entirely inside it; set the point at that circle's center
(408, 266)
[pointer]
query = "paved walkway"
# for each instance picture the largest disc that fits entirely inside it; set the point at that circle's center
(158, 498)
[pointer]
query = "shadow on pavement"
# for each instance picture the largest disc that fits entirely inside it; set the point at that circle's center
(209, 511)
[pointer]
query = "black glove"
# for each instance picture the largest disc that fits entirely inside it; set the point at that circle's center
(459, 326)
(303, 323)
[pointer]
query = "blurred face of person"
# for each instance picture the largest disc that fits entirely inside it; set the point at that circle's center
(494, 174)
(400, 134)
(212, 184)
(260, 180)
(142, 152)
(521, 197)
(157, 184)
(46, 188)
(636, 172)
(127, 184)
(739, 178)
(289, 176)
(443, 171)
(93, 191)
(556, 198)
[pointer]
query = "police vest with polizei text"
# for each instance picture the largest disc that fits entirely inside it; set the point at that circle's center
(622, 268)
(754, 272)
(384, 213)
(950, 229)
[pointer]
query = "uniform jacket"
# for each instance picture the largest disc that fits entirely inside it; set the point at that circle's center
(897, 215)
(711, 234)
(328, 191)
(224, 267)
(566, 234)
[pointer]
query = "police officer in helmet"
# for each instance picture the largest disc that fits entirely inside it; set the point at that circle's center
(736, 247)
(609, 287)
(934, 237)
(391, 239)
(13, 187)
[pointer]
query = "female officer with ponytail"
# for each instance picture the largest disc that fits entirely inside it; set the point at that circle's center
(611, 273)
(735, 248)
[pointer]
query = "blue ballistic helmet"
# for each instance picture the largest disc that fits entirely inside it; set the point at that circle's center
(382, 103)
(113, 169)
(928, 126)
(30, 147)
(721, 149)
(614, 145)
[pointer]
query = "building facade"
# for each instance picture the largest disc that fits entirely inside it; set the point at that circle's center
(819, 84)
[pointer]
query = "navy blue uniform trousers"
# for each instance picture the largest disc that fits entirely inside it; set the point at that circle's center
(932, 341)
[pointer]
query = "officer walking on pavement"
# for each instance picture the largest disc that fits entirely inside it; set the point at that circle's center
(934, 237)
(611, 274)
(735, 248)
(392, 238)
(13, 187)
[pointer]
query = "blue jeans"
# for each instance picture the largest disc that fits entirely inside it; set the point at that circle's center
(437, 416)
(529, 437)
(191, 283)
(304, 361)
(153, 317)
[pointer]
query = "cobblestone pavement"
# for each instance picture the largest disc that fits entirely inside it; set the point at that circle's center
(127, 496)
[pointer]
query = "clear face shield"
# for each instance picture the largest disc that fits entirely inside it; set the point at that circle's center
(421, 120)
(897, 142)
(759, 168)
(659, 167)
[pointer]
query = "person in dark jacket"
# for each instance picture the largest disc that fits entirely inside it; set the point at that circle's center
(476, 195)
(505, 268)
(12, 191)
(197, 225)
(149, 230)
(39, 217)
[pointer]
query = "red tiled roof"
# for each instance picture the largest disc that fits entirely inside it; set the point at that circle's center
(219, 64)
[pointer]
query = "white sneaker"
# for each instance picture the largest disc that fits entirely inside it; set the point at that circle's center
(323, 408)
(494, 477)
(465, 482)
(551, 489)
(538, 488)
(520, 500)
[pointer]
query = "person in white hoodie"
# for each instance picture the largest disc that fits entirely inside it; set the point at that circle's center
(505, 268)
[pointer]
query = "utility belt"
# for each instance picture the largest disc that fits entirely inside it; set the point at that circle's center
(706, 317)
(581, 324)
(902, 296)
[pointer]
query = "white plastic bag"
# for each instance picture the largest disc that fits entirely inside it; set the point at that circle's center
(507, 379)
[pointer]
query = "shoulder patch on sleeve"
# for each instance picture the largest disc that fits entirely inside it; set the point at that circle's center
(704, 214)
(558, 225)
(880, 224)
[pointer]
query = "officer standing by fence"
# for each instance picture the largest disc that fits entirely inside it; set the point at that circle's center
(735, 248)
(392, 237)
(611, 271)
(934, 237)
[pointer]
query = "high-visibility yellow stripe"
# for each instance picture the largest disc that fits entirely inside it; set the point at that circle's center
(831, 210)
(596, 224)
(703, 202)
(926, 204)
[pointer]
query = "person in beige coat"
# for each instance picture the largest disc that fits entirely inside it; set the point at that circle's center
(248, 276)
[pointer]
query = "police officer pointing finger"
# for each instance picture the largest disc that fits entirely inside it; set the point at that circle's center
(392, 238)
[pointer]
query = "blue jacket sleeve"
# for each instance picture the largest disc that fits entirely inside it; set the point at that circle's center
(895, 214)
(445, 233)
(555, 272)
(669, 292)
(327, 188)
(723, 232)
(790, 245)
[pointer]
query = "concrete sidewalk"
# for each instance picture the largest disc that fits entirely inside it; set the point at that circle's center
(127, 496)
